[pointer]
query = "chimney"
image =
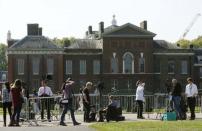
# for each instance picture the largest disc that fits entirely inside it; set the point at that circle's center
(40, 31)
(32, 29)
(9, 35)
(143, 24)
(101, 27)
(90, 30)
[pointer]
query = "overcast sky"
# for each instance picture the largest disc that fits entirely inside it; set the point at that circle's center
(66, 18)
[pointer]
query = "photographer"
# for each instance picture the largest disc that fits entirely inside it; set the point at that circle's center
(67, 102)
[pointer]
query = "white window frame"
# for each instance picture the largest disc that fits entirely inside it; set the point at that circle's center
(50, 61)
(124, 62)
(82, 62)
(96, 67)
(68, 67)
(35, 64)
(21, 66)
(183, 63)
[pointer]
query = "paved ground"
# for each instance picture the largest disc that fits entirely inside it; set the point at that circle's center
(51, 126)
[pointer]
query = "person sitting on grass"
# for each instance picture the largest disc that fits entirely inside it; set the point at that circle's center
(112, 105)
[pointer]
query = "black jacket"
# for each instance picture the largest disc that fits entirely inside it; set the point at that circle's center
(177, 90)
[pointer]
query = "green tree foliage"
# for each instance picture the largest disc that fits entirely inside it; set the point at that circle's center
(197, 43)
(183, 43)
(3, 60)
(64, 42)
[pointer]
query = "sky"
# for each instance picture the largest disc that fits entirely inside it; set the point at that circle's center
(71, 18)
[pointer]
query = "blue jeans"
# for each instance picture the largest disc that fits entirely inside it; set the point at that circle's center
(68, 106)
(176, 101)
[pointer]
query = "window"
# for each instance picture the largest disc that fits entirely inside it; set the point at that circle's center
(35, 66)
(128, 63)
(141, 65)
(82, 67)
(21, 66)
(68, 67)
(157, 66)
(200, 72)
(114, 65)
(171, 66)
(199, 59)
(50, 68)
(200, 85)
(96, 67)
(184, 67)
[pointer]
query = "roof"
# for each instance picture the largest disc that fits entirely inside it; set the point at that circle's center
(128, 30)
(109, 28)
(86, 44)
(162, 44)
(34, 42)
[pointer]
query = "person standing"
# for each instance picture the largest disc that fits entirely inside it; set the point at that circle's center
(86, 101)
(191, 92)
(176, 97)
(17, 100)
(45, 91)
(140, 98)
(68, 97)
(6, 100)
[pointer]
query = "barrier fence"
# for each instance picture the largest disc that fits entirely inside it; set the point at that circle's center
(33, 106)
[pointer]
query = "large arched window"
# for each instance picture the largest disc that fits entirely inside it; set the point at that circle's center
(128, 63)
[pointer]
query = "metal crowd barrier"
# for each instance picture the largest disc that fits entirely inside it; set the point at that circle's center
(32, 107)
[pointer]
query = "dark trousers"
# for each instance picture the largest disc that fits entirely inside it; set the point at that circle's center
(16, 114)
(191, 101)
(45, 104)
(139, 108)
(86, 112)
(68, 106)
(7, 105)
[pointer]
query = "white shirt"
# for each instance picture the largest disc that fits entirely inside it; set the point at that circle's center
(140, 93)
(191, 90)
(45, 90)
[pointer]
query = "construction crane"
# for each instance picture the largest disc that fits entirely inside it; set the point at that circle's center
(190, 26)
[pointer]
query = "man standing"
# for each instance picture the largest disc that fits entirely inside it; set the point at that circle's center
(191, 92)
(45, 91)
(140, 98)
(176, 97)
(86, 101)
(68, 96)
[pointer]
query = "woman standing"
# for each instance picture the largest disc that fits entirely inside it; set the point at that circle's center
(17, 99)
(140, 98)
(6, 100)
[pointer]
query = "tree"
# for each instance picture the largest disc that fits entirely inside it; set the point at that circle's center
(65, 41)
(183, 43)
(197, 42)
(3, 62)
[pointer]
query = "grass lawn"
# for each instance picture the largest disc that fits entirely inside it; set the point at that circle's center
(150, 126)
(1, 110)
